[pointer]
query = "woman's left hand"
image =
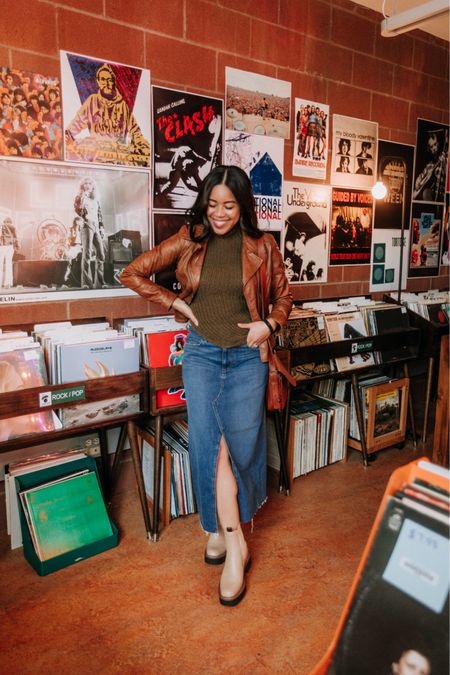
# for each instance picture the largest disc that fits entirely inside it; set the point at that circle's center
(258, 332)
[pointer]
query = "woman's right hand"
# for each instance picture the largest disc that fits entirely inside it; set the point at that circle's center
(182, 307)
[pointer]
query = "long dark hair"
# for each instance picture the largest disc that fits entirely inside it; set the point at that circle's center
(239, 183)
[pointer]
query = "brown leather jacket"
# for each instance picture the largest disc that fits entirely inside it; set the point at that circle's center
(188, 257)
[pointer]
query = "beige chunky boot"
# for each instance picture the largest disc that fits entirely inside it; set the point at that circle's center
(215, 551)
(237, 563)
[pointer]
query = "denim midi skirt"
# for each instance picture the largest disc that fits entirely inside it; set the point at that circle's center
(225, 395)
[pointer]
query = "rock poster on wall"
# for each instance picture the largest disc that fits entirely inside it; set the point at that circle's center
(30, 115)
(261, 157)
(106, 111)
(72, 229)
(395, 170)
(354, 152)
(188, 143)
(425, 237)
(306, 211)
(430, 171)
(351, 226)
(257, 103)
(310, 151)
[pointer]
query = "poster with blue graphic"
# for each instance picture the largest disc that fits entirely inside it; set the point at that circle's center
(261, 157)
(106, 110)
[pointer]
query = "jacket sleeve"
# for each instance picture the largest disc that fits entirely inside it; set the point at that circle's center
(280, 295)
(137, 274)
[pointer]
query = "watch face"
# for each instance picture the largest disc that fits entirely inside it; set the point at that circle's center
(379, 252)
(378, 274)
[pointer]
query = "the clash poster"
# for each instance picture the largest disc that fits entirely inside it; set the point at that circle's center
(262, 158)
(395, 170)
(354, 158)
(306, 212)
(257, 103)
(351, 226)
(70, 229)
(106, 110)
(425, 237)
(430, 170)
(310, 154)
(188, 143)
(30, 115)
(164, 226)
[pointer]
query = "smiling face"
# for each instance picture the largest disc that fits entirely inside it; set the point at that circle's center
(223, 211)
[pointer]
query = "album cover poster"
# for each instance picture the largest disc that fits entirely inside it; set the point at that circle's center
(188, 143)
(395, 170)
(354, 158)
(30, 115)
(425, 236)
(164, 226)
(430, 170)
(262, 158)
(351, 226)
(257, 103)
(306, 212)
(445, 232)
(106, 108)
(310, 155)
(71, 229)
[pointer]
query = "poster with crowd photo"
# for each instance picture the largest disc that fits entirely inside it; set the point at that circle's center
(310, 154)
(71, 229)
(262, 158)
(164, 226)
(30, 115)
(351, 226)
(306, 213)
(430, 170)
(106, 108)
(395, 170)
(354, 158)
(257, 103)
(188, 143)
(425, 237)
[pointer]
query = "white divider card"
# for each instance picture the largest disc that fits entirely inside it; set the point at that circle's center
(419, 565)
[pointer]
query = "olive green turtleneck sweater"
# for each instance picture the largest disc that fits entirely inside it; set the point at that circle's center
(219, 304)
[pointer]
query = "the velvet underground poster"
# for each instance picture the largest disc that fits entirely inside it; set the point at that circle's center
(261, 157)
(106, 109)
(188, 143)
(351, 226)
(395, 170)
(305, 235)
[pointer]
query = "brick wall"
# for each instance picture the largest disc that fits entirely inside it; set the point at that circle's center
(331, 51)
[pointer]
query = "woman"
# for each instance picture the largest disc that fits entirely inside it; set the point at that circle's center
(224, 366)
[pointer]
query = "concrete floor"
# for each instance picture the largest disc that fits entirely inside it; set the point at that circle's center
(152, 608)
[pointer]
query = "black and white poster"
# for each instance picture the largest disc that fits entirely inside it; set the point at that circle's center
(67, 231)
(164, 226)
(354, 158)
(306, 211)
(430, 171)
(395, 171)
(188, 143)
